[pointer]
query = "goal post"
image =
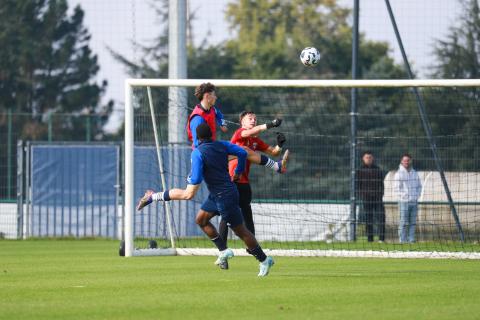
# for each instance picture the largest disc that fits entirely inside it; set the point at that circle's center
(329, 235)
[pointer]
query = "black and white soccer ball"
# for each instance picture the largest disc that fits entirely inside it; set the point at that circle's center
(310, 56)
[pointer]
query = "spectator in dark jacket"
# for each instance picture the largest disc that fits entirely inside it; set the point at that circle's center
(370, 189)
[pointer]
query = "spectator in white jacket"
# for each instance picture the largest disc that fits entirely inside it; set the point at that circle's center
(408, 188)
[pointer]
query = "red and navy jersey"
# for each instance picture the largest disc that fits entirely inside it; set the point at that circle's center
(207, 115)
(254, 143)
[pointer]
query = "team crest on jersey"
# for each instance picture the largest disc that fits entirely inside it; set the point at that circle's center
(254, 146)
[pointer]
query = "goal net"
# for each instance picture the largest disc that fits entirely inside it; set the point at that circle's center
(316, 208)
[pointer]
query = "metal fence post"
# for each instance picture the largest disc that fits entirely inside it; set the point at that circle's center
(20, 190)
(26, 232)
(87, 128)
(50, 127)
(9, 154)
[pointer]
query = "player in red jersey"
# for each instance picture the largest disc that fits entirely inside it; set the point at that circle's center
(247, 137)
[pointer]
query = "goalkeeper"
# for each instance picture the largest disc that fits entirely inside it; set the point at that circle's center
(206, 112)
(247, 137)
(210, 162)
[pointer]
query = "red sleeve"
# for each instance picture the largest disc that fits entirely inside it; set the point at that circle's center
(237, 136)
(261, 146)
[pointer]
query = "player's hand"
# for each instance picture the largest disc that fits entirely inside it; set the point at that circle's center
(236, 177)
(224, 129)
(281, 139)
(274, 123)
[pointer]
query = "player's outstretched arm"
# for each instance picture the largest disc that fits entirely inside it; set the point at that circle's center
(275, 151)
(260, 128)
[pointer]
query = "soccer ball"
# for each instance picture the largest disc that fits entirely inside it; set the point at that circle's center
(310, 56)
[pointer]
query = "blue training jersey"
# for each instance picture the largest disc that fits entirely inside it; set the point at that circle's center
(210, 163)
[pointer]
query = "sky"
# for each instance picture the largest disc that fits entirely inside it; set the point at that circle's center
(115, 23)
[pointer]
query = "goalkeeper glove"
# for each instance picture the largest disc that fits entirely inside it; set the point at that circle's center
(281, 139)
(274, 123)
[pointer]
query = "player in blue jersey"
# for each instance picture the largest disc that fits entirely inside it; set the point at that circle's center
(210, 163)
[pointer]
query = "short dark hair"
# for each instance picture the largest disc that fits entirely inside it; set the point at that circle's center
(406, 155)
(203, 131)
(367, 152)
(202, 89)
(243, 114)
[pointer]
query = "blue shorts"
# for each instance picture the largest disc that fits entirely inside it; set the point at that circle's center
(226, 205)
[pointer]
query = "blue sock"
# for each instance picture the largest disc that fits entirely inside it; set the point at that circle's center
(258, 253)
(263, 160)
(166, 195)
(220, 243)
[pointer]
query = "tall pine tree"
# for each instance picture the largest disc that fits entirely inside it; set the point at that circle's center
(47, 67)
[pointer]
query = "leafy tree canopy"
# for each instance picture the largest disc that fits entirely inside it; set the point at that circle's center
(46, 64)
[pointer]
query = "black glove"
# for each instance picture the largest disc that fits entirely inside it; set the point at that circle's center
(274, 123)
(280, 139)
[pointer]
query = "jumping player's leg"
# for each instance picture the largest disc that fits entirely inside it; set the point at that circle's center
(205, 214)
(207, 211)
(223, 230)
(262, 160)
(245, 193)
(254, 249)
(249, 239)
(203, 221)
(232, 215)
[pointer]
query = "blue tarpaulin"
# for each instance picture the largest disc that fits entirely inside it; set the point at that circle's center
(74, 190)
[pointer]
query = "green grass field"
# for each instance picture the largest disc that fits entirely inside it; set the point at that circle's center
(86, 279)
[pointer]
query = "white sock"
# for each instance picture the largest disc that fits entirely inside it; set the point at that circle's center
(272, 165)
(157, 196)
(275, 167)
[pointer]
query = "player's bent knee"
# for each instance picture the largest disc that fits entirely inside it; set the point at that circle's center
(200, 221)
(202, 218)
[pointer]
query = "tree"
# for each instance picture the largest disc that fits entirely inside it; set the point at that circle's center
(271, 34)
(204, 61)
(458, 56)
(47, 66)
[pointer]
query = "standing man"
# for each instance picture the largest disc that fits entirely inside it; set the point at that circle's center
(370, 190)
(210, 162)
(205, 112)
(247, 137)
(408, 188)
